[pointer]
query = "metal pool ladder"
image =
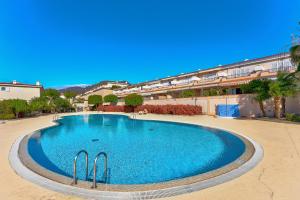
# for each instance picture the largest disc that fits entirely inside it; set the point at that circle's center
(95, 167)
(86, 166)
(133, 116)
(55, 117)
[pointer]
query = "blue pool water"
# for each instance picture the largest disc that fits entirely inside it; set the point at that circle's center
(139, 152)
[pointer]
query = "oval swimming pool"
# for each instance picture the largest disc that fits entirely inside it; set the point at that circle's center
(139, 151)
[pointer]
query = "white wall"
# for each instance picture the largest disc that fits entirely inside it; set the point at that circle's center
(25, 93)
(248, 106)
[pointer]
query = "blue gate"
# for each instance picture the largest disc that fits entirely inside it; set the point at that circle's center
(225, 110)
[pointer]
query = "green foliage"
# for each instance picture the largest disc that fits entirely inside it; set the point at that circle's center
(111, 98)
(95, 100)
(283, 86)
(50, 93)
(39, 104)
(19, 106)
(48, 102)
(62, 105)
(247, 89)
(187, 93)
(295, 56)
(292, 117)
(13, 106)
(70, 94)
(210, 92)
(6, 107)
(261, 88)
(134, 100)
(7, 116)
(115, 87)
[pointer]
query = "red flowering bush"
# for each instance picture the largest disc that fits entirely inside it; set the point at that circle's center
(115, 108)
(156, 109)
(111, 108)
(171, 109)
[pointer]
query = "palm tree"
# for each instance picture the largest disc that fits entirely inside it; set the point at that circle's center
(261, 88)
(284, 86)
(295, 56)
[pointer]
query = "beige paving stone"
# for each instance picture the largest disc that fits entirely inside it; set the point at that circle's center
(277, 176)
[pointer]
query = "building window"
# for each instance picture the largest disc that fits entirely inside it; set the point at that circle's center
(3, 89)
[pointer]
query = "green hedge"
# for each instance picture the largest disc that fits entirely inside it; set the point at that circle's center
(7, 116)
(134, 100)
(292, 117)
(111, 98)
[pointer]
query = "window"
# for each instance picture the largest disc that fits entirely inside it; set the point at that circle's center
(3, 89)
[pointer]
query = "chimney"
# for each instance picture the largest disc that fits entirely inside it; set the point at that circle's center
(38, 83)
(14, 82)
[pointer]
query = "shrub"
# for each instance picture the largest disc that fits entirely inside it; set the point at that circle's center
(70, 94)
(187, 93)
(7, 116)
(95, 100)
(39, 104)
(115, 87)
(111, 98)
(292, 117)
(50, 93)
(17, 107)
(134, 100)
(62, 105)
(156, 109)
(6, 107)
(171, 109)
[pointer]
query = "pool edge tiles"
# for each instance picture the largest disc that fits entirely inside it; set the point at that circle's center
(252, 155)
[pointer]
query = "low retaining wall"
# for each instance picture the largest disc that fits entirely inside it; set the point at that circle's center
(248, 106)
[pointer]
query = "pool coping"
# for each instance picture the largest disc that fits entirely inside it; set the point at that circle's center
(147, 191)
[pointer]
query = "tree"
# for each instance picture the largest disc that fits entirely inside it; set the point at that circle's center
(62, 105)
(284, 86)
(115, 87)
(261, 88)
(39, 104)
(111, 98)
(95, 100)
(19, 106)
(6, 111)
(70, 94)
(295, 56)
(50, 93)
(134, 100)
(187, 93)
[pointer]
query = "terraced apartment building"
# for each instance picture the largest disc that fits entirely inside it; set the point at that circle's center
(227, 78)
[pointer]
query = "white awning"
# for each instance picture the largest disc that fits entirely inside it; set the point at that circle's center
(165, 84)
(183, 81)
(134, 89)
(222, 74)
(259, 68)
(174, 82)
(194, 78)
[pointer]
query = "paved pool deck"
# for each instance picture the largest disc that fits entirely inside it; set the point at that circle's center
(277, 176)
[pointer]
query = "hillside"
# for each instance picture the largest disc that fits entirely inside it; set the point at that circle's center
(83, 89)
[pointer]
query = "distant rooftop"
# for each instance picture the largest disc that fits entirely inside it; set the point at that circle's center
(18, 84)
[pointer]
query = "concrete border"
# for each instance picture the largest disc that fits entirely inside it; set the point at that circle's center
(26, 173)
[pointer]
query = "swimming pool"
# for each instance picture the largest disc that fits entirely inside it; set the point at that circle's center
(139, 151)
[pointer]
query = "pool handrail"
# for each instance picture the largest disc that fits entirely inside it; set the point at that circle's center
(95, 167)
(75, 166)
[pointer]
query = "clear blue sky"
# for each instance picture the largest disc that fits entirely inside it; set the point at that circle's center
(65, 42)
